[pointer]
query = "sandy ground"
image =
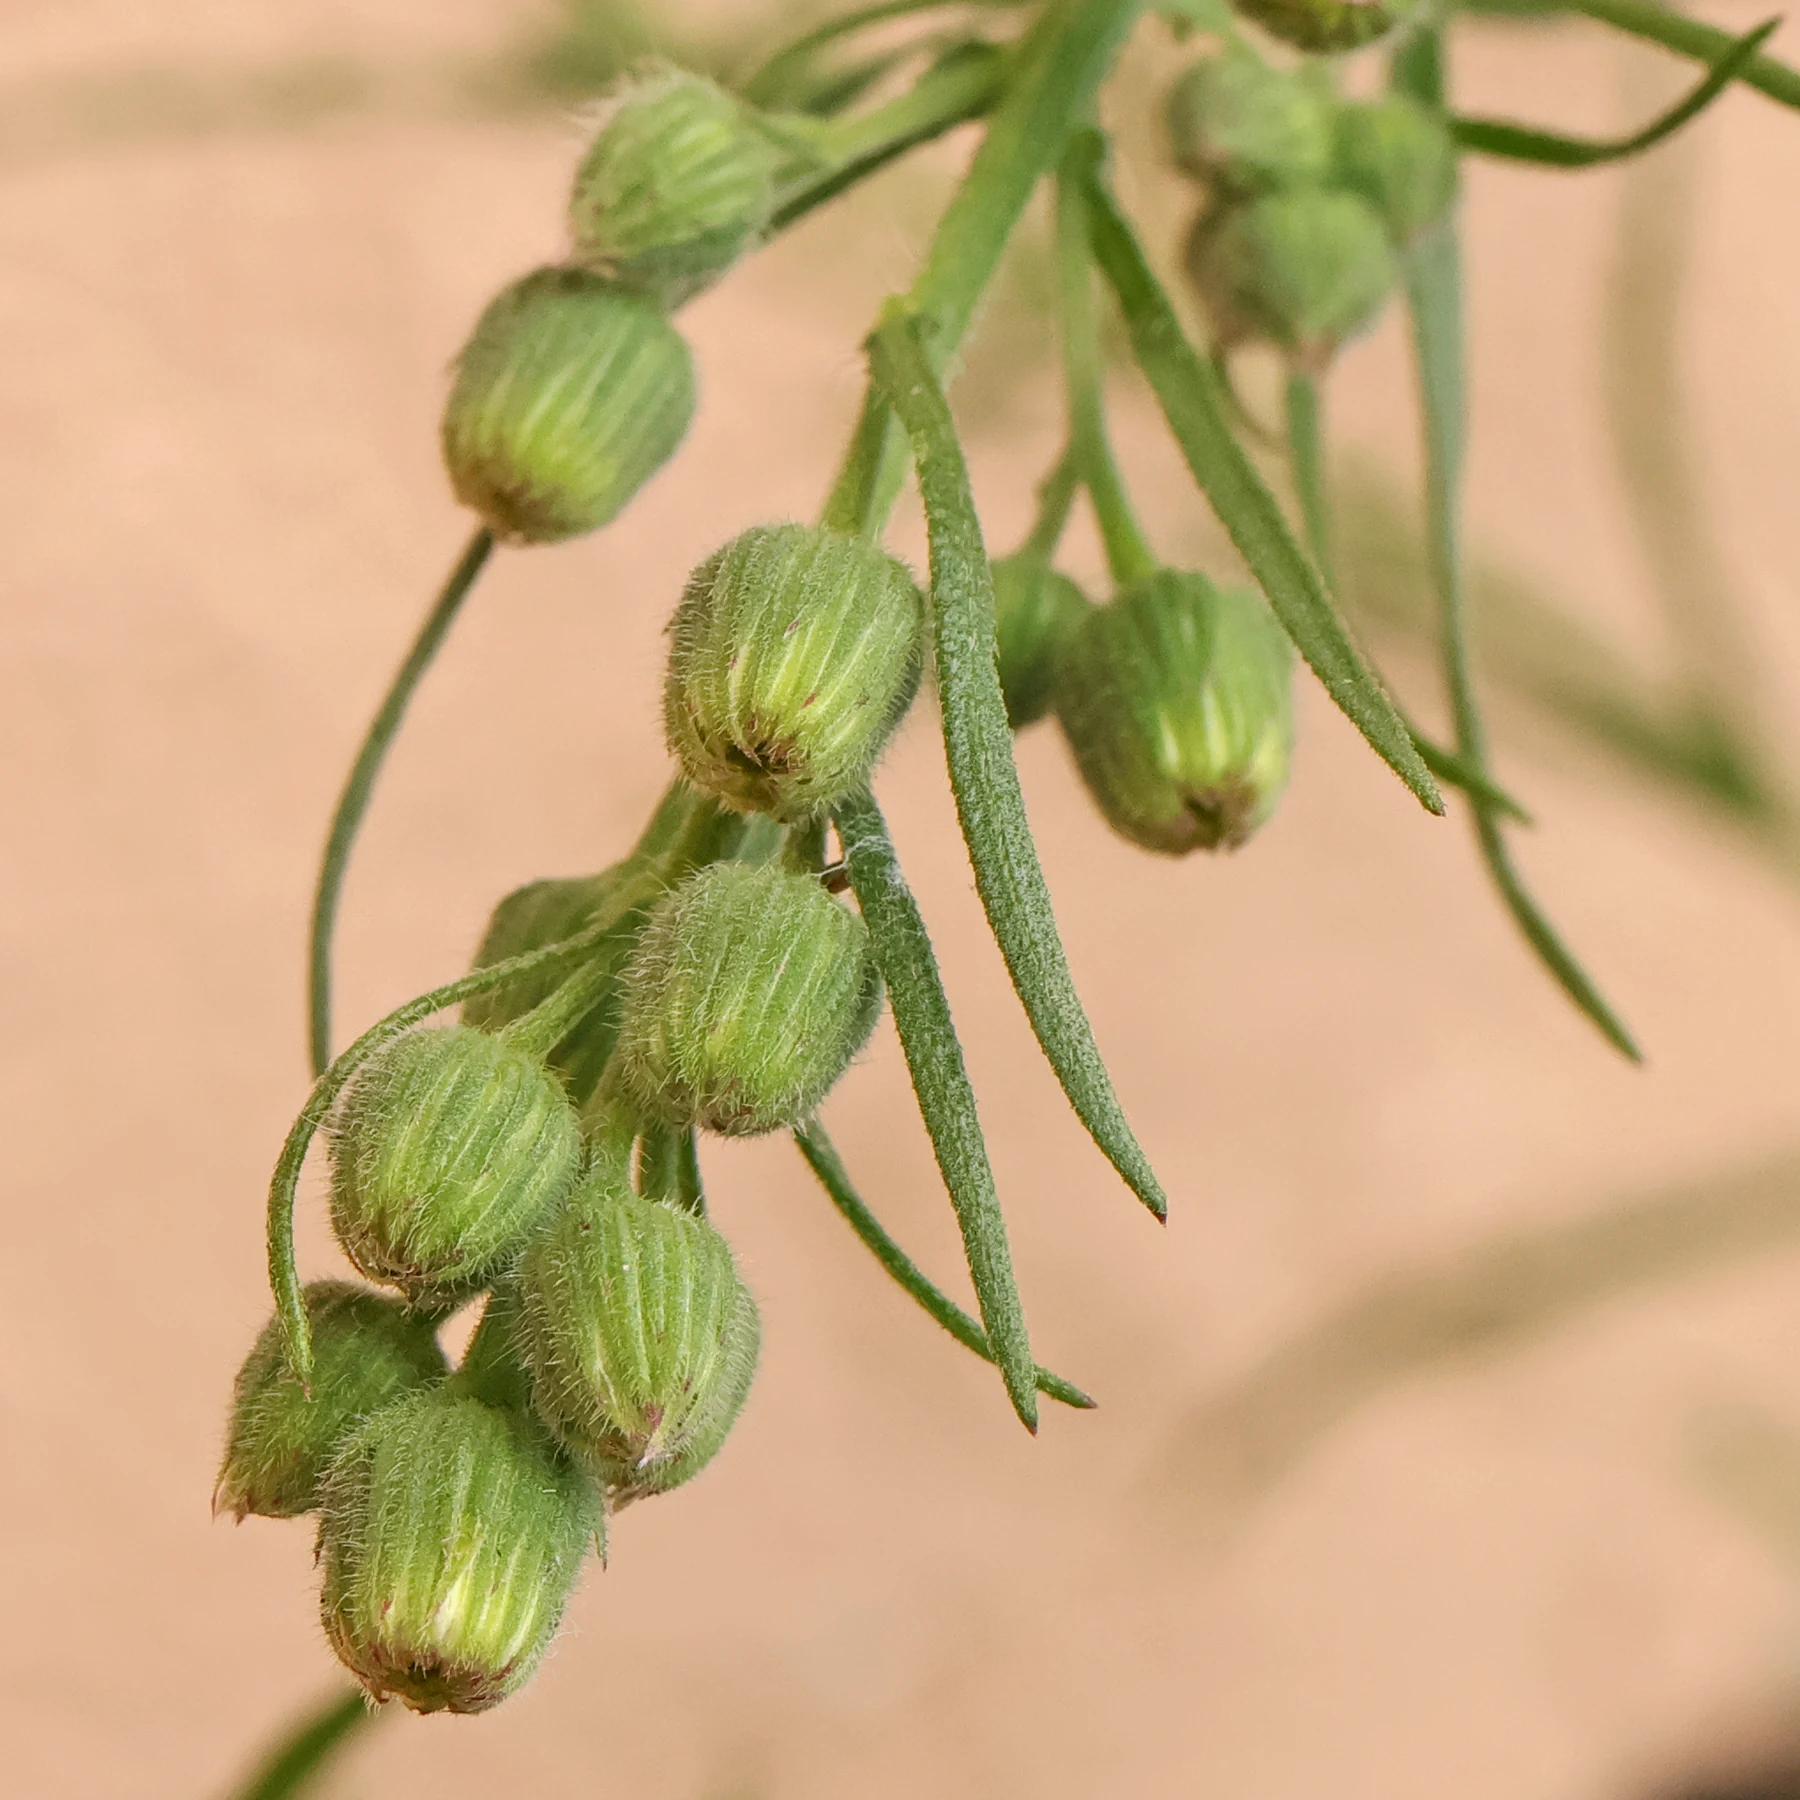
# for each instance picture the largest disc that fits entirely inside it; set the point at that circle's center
(221, 360)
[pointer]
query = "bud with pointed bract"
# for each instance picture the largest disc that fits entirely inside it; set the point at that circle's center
(1303, 270)
(640, 1336)
(745, 999)
(1400, 156)
(1177, 702)
(451, 1534)
(1237, 121)
(1326, 26)
(569, 396)
(795, 652)
(678, 184)
(448, 1148)
(367, 1352)
(1035, 612)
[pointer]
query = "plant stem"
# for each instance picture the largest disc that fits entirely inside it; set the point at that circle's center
(1055, 499)
(303, 1753)
(354, 800)
(1688, 37)
(1307, 452)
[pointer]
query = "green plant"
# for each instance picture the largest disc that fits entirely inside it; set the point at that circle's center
(543, 1151)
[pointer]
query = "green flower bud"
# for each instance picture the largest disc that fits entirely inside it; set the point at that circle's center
(795, 653)
(640, 1336)
(1401, 158)
(1237, 121)
(569, 396)
(1176, 701)
(451, 1536)
(678, 184)
(367, 1352)
(1326, 25)
(1303, 270)
(745, 999)
(1035, 612)
(448, 1148)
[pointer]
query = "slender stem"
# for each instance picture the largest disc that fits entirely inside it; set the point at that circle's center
(303, 1753)
(1688, 37)
(1056, 498)
(492, 1368)
(1128, 552)
(354, 801)
(1306, 449)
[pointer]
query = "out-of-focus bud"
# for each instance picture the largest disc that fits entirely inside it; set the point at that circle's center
(1176, 699)
(569, 396)
(678, 184)
(449, 1147)
(1237, 121)
(1035, 611)
(367, 1352)
(1326, 25)
(451, 1534)
(640, 1335)
(795, 652)
(745, 999)
(1401, 158)
(1303, 269)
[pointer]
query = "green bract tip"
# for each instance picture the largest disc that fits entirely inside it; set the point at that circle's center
(745, 999)
(1236, 121)
(1176, 701)
(569, 396)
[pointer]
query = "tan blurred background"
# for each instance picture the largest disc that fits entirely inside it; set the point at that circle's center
(1450, 1434)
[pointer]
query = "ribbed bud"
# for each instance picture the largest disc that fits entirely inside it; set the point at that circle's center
(451, 1535)
(449, 1147)
(745, 999)
(640, 1336)
(1326, 25)
(1237, 121)
(1035, 612)
(1303, 270)
(569, 396)
(1176, 699)
(794, 654)
(1401, 158)
(677, 185)
(367, 1352)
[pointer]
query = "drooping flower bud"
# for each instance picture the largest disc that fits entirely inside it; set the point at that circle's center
(795, 652)
(451, 1535)
(569, 396)
(1176, 699)
(1325, 26)
(677, 185)
(745, 999)
(1303, 269)
(1401, 158)
(1035, 611)
(367, 1352)
(1237, 121)
(448, 1148)
(640, 1335)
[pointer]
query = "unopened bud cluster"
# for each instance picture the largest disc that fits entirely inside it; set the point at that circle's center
(1310, 199)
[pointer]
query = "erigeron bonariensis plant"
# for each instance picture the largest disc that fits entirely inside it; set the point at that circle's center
(542, 1152)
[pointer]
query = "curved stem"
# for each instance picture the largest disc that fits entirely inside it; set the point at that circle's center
(302, 1755)
(354, 801)
(1055, 498)
(1306, 449)
(1688, 37)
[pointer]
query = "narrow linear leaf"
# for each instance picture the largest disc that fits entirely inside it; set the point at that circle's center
(1522, 143)
(1455, 772)
(822, 1158)
(1663, 25)
(1193, 404)
(978, 745)
(946, 1100)
(1434, 298)
(300, 1758)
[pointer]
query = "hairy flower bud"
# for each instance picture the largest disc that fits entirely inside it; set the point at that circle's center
(1401, 158)
(794, 654)
(639, 1334)
(1035, 612)
(569, 396)
(451, 1535)
(678, 184)
(1176, 699)
(449, 1147)
(1303, 270)
(367, 1352)
(1320, 26)
(745, 999)
(1235, 120)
